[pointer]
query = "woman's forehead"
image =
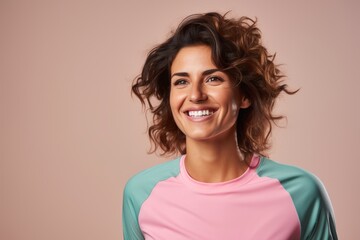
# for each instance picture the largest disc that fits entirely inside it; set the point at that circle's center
(193, 58)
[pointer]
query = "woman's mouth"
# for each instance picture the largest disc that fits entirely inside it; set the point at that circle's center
(200, 113)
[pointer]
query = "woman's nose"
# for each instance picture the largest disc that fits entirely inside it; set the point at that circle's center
(197, 94)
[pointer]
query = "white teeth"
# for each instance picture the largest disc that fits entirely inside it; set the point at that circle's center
(200, 113)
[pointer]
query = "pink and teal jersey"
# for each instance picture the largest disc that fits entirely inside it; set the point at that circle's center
(269, 201)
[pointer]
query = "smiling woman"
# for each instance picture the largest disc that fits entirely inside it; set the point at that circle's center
(216, 85)
(204, 103)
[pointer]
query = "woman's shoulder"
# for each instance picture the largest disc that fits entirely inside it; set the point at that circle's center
(288, 174)
(148, 178)
(309, 197)
(305, 188)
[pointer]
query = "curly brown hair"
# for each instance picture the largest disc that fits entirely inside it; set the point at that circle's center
(236, 50)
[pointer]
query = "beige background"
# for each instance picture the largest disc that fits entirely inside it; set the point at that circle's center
(71, 135)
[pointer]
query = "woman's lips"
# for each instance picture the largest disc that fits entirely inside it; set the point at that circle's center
(200, 113)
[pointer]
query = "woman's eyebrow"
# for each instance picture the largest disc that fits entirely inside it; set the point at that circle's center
(180, 74)
(204, 73)
(210, 71)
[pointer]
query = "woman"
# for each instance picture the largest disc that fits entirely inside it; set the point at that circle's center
(215, 85)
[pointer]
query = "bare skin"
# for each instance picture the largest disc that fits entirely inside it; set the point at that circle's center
(205, 108)
(213, 162)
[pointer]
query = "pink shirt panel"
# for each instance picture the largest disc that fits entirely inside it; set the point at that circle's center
(248, 207)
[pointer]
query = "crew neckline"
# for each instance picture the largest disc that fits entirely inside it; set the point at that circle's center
(219, 186)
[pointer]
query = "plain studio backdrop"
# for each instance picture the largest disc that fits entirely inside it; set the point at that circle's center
(71, 134)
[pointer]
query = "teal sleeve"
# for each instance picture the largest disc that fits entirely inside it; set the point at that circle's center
(314, 207)
(309, 197)
(130, 211)
(137, 190)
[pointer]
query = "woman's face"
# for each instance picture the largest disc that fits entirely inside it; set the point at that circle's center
(203, 101)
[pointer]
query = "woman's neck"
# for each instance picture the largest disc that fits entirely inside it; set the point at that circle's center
(214, 161)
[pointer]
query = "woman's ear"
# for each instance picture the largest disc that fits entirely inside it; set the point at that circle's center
(244, 102)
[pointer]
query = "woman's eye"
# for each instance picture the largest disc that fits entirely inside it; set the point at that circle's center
(214, 80)
(180, 82)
